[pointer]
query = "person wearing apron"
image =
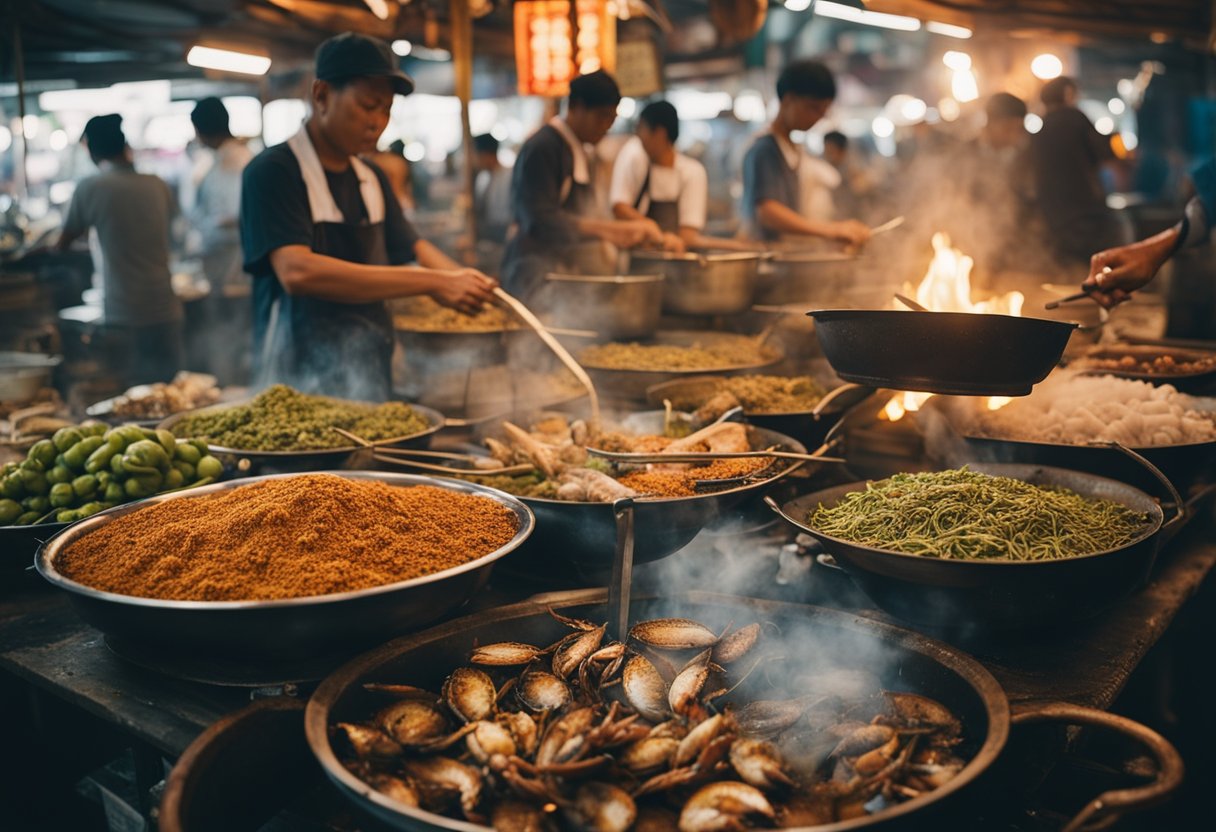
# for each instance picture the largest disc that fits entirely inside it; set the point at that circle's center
(651, 180)
(326, 243)
(553, 202)
(774, 179)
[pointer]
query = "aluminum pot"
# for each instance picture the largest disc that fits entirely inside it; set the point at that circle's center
(615, 306)
(246, 630)
(23, 374)
(901, 659)
(697, 283)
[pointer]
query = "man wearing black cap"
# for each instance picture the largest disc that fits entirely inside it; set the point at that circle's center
(131, 213)
(327, 244)
(553, 201)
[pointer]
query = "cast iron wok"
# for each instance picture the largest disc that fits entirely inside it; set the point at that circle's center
(1183, 464)
(972, 596)
(295, 627)
(580, 537)
(953, 353)
(900, 659)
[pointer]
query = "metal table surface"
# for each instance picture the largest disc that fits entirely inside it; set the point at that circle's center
(44, 646)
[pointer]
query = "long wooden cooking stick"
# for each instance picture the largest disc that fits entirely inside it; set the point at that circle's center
(566, 358)
(618, 456)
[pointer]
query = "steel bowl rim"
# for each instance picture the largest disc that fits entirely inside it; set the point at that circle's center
(435, 423)
(1156, 523)
(457, 333)
(695, 257)
(995, 704)
(44, 562)
(604, 279)
(835, 313)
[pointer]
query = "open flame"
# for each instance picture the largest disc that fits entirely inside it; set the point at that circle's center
(946, 287)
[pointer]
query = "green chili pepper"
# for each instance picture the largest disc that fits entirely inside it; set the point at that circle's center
(76, 455)
(95, 429)
(60, 473)
(89, 509)
(28, 464)
(115, 492)
(167, 441)
(39, 504)
(186, 452)
(10, 510)
(99, 460)
(65, 438)
(143, 485)
(128, 434)
(103, 478)
(67, 515)
(145, 454)
(43, 451)
(209, 467)
(27, 519)
(116, 466)
(85, 486)
(62, 495)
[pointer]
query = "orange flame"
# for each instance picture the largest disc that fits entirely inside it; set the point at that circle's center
(946, 287)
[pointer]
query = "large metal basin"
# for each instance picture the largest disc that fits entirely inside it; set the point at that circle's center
(718, 283)
(295, 627)
(614, 306)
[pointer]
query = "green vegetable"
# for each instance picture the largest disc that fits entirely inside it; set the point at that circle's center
(89, 509)
(142, 485)
(127, 434)
(116, 466)
(95, 429)
(35, 482)
(185, 452)
(67, 515)
(62, 495)
(13, 487)
(145, 456)
(28, 464)
(43, 451)
(99, 460)
(65, 438)
(167, 441)
(27, 519)
(209, 468)
(967, 515)
(78, 454)
(85, 486)
(60, 473)
(114, 492)
(39, 504)
(10, 510)
(173, 480)
(185, 468)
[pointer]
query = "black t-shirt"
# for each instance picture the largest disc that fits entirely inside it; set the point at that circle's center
(275, 213)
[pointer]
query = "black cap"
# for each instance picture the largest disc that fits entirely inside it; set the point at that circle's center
(351, 55)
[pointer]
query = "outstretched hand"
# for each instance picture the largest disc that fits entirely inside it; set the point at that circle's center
(1117, 272)
(465, 290)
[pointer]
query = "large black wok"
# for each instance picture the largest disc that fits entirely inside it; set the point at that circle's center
(580, 537)
(972, 596)
(1183, 464)
(902, 660)
(954, 353)
(244, 631)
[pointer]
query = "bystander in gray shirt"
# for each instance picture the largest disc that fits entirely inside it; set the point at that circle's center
(130, 212)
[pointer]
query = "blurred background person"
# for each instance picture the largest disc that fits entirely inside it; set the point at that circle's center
(396, 168)
(217, 201)
(1066, 157)
(491, 190)
(130, 213)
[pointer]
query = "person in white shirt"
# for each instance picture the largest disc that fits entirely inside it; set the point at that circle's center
(218, 201)
(652, 180)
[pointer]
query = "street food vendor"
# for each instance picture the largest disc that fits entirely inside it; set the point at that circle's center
(554, 205)
(779, 175)
(326, 242)
(652, 180)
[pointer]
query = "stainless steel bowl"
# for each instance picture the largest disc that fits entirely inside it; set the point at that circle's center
(250, 463)
(615, 306)
(716, 283)
(289, 627)
(23, 374)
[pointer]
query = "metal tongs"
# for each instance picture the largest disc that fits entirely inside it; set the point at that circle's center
(1084, 293)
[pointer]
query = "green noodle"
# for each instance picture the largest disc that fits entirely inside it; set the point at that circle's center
(966, 515)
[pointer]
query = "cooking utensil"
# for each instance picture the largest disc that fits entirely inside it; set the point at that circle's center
(620, 587)
(579, 538)
(889, 225)
(631, 384)
(1084, 293)
(1182, 464)
(983, 596)
(640, 459)
(248, 463)
(1201, 380)
(553, 344)
(955, 353)
(911, 304)
(23, 374)
(295, 627)
(818, 638)
(702, 283)
(611, 306)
